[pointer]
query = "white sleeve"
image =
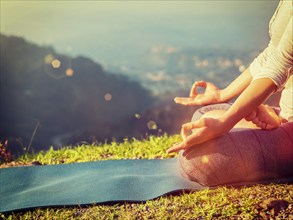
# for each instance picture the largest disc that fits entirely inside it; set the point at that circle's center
(274, 61)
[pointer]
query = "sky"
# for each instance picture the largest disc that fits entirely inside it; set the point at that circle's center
(111, 31)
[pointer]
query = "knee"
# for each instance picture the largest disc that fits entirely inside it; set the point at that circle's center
(196, 169)
(208, 163)
(242, 156)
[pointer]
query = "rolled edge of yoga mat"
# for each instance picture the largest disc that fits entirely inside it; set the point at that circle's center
(99, 182)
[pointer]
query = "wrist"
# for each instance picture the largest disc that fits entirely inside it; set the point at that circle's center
(228, 121)
(222, 96)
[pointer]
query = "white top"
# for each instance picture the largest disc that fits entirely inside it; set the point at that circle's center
(276, 61)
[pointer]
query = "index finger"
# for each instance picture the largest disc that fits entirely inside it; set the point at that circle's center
(186, 129)
(193, 92)
(175, 148)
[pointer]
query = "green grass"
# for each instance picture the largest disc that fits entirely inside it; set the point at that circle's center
(254, 202)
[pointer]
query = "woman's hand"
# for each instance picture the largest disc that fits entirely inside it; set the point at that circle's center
(209, 128)
(198, 132)
(211, 95)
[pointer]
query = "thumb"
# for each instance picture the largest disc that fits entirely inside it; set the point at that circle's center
(184, 101)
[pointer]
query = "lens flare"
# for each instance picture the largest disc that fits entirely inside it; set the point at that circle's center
(204, 159)
(48, 59)
(241, 68)
(152, 125)
(108, 97)
(69, 72)
(56, 63)
(137, 116)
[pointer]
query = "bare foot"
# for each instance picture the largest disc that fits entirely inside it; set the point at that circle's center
(264, 117)
(241, 124)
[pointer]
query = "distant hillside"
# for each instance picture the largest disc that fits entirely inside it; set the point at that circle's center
(62, 97)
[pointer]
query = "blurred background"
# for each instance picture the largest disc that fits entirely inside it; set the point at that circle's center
(87, 71)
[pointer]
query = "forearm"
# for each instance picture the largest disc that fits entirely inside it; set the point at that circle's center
(249, 99)
(236, 87)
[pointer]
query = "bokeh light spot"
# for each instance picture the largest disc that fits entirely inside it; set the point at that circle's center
(241, 68)
(152, 125)
(56, 63)
(108, 97)
(48, 59)
(204, 159)
(205, 63)
(137, 116)
(69, 72)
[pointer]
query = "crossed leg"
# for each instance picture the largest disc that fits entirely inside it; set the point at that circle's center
(263, 117)
(242, 155)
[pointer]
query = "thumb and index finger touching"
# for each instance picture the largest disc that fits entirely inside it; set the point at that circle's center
(188, 137)
(193, 93)
(188, 127)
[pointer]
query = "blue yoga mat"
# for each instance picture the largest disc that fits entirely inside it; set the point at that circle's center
(110, 181)
(89, 183)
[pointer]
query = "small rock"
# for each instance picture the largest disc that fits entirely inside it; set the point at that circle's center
(36, 163)
(274, 205)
